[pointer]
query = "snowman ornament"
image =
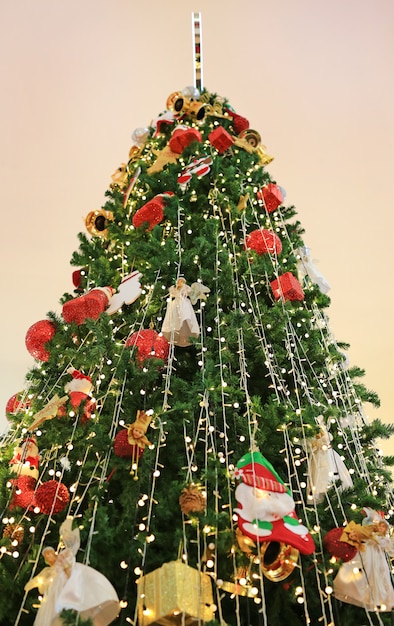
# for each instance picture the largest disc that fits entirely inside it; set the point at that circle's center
(266, 509)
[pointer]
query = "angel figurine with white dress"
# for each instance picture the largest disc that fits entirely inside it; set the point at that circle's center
(180, 321)
(67, 584)
(365, 580)
(326, 466)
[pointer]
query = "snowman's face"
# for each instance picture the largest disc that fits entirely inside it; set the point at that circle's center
(263, 505)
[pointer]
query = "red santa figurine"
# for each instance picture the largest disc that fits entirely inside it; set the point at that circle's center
(26, 458)
(79, 389)
(266, 509)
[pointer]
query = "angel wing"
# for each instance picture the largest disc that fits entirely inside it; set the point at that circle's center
(70, 537)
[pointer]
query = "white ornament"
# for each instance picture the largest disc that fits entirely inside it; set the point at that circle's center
(305, 267)
(128, 291)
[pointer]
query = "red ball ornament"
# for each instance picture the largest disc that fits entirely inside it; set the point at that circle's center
(124, 449)
(37, 336)
(24, 495)
(52, 497)
(149, 345)
(263, 242)
(272, 195)
(287, 287)
(336, 547)
(15, 405)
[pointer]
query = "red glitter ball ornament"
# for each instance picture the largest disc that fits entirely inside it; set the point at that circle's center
(52, 497)
(263, 241)
(272, 195)
(340, 549)
(37, 336)
(149, 345)
(15, 405)
(24, 495)
(124, 449)
(287, 287)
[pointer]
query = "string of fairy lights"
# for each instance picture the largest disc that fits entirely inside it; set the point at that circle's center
(321, 391)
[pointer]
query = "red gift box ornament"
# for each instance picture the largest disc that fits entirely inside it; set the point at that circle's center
(220, 139)
(182, 137)
(287, 287)
(152, 212)
(263, 241)
(37, 336)
(272, 195)
(148, 345)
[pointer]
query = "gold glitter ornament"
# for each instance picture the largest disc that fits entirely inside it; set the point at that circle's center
(49, 411)
(175, 594)
(164, 157)
(192, 500)
(242, 202)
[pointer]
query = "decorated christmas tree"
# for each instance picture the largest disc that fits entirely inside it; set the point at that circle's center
(191, 444)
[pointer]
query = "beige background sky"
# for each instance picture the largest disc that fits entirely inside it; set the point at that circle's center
(315, 78)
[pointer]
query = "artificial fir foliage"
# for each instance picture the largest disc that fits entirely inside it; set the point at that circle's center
(142, 436)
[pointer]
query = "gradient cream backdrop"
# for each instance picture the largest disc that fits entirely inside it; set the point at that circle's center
(314, 78)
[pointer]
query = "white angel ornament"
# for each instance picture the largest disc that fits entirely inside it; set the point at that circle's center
(305, 267)
(67, 584)
(365, 580)
(326, 466)
(180, 321)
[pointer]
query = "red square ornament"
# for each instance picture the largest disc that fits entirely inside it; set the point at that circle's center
(287, 287)
(220, 139)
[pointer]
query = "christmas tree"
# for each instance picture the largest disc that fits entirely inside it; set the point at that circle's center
(191, 444)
